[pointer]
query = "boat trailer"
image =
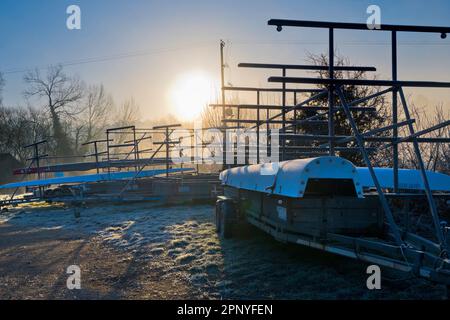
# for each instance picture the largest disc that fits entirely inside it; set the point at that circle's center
(321, 203)
(312, 196)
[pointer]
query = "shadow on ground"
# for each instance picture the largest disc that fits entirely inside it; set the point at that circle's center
(137, 251)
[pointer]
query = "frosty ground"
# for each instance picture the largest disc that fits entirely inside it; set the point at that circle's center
(144, 251)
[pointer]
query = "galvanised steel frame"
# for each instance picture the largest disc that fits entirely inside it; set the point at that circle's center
(406, 242)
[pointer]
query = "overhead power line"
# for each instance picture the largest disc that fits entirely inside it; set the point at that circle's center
(112, 57)
(135, 54)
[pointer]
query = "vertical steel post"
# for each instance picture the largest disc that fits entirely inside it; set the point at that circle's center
(96, 156)
(222, 77)
(268, 132)
(295, 111)
(394, 109)
(167, 152)
(138, 157)
(136, 152)
(258, 125)
(239, 116)
(107, 151)
(222, 84)
(283, 129)
(36, 157)
(38, 165)
(331, 90)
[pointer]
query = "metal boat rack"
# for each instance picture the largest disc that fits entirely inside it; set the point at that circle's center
(407, 246)
(112, 155)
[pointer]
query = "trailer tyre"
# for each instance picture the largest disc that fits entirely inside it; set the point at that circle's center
(225, 218)
(218, 215)
(228, 217)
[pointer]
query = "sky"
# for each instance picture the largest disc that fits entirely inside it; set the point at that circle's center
(141, 48)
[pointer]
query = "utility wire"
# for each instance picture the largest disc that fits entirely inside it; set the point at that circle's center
(141, 53)
(347, 43)
(112, 57)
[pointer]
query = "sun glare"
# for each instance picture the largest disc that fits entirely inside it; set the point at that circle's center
(190, 94)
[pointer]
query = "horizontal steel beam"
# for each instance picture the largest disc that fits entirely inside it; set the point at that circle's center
(249, 106)
(35, 144)
(350, 149)
(356, 26)
(97, 141)
(286, 108)
(123, 145)
(408, 140)
(367, 139)
(86, 166)
(361, 82)
(304, 67)
(167, 126)
(120, 128)
(138, 140)
(176, 140)
(145, 150)
(270, 89)
(274, 121)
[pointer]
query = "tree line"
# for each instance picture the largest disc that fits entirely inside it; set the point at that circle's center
(67, 112)
(62, 109)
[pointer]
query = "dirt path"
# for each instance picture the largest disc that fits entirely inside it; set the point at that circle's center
(141, 252)
(33, 265)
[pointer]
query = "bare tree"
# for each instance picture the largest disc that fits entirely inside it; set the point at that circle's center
(61, 95)
(21, 126)
(97, 114)
(128, 113)
(436, 156)
(211, 117)
(364, 120)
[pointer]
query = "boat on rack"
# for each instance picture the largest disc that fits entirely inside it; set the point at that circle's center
(326, 203)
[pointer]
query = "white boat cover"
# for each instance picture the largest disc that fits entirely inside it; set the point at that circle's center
(91, 178)
(292, 176)
(407, 179)
(289, 178)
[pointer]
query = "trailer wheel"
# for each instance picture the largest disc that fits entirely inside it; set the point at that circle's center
(218, 214)
(225, 217)
(228, 219)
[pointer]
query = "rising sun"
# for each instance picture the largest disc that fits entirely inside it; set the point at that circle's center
(190, 93)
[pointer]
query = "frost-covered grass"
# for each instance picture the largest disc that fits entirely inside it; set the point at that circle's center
(180, 242)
